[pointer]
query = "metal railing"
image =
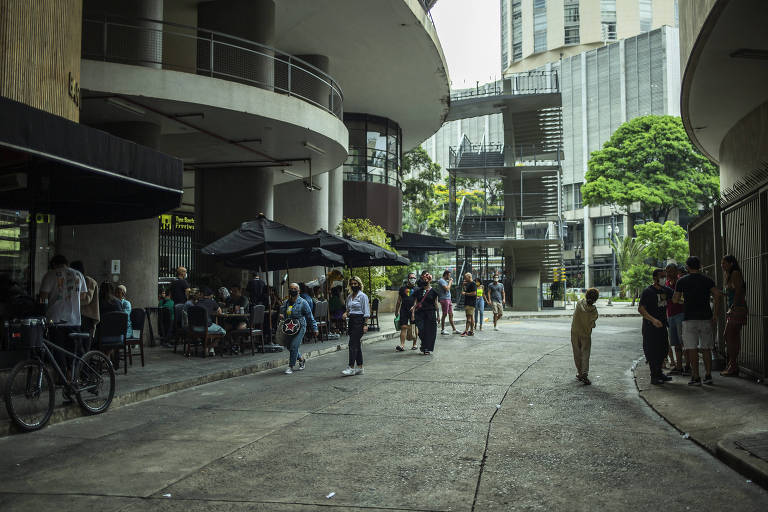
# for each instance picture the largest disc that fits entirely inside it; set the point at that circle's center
(165, 45)
(529, 82)
(496, 154)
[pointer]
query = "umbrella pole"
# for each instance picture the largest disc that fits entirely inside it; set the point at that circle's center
(32, 250)
(269, 304)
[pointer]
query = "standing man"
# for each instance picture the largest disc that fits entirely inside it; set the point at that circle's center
(694, 291)
(653, 308)
(63, 288)
(444, 296)
(675, 323)
(89, 306)
(469, 292)
(257, 290)
(180, 287)
(495, 296)
(584, 318)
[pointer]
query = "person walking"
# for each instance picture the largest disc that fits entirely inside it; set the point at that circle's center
(653, 309)
(496, 297)
(736, 314)
(444, 293)
(405, 300)
(584, 319)
(469, 291)
(297, 316)
(357, 312)
(675, 322)
(89, 306)
(694, 291)
(479, 304)
(425, 314)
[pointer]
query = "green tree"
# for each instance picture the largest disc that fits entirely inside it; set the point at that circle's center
(367, 231)
(423, 211)
(637, 277)
(629, 251)
(650, 160)
(664, 241)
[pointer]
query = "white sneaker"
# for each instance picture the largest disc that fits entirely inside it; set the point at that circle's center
(302, 364)
(495, 328)
(359, 371)
(288, 371)
(348, 371)
(444, 333)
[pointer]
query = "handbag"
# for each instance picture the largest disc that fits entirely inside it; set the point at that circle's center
(290, 327)
(397, 322)
(412, 333)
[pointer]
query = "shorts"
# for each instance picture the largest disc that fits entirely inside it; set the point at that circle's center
(676, 329)
(698, 334)
(498, 308)
(405, 318)
(447, 306)
(470, 310)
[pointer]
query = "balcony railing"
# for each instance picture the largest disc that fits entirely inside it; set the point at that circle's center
(495, 154)
(530, 82)
(165, 45)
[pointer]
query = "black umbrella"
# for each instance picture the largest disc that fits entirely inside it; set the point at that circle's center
(347, 248)
(288, 258)
(257, 237)
(383, 258)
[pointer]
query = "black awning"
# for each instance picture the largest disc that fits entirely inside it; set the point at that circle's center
(82, 175)
(425, 243)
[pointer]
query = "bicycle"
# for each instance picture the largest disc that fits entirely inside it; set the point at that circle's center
(30, 391)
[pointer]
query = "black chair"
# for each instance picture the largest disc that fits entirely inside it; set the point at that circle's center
(164, 325)
(373, 321)
(179, 324)
(255, 328)
(197, 331)
(110, 334)
(138, 317)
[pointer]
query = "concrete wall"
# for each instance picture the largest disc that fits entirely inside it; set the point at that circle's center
(693, 14)
(745, 147)
(525, 290)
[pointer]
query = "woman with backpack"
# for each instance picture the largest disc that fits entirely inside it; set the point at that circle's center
(425, 311)
(296, 316)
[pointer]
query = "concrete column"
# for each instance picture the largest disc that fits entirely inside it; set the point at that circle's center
(142, 45)
(224, 199)
(136, 244)
(587, 248)
(305, 210)
(335, 198)
(253, 20)
(307, 82)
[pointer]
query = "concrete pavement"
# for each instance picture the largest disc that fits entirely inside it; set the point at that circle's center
(414, 433)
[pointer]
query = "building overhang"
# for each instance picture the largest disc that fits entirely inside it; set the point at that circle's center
(503, 103)
(385, 54)
(726, 72)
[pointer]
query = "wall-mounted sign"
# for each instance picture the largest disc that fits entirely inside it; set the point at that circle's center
(114, 267)
(171, 222)
(41, 218)
(73, 88)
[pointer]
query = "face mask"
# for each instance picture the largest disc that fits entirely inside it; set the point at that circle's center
(412, 280)
(495, 279)
(354, 287)
(293, 293)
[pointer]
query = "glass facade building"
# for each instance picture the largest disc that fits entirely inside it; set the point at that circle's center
(375, 150)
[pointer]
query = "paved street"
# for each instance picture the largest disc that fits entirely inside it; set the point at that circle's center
(413, 433)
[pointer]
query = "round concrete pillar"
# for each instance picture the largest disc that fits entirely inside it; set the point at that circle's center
(141, 41)
(335, 198)
(307, 81)
(224, 199)
(136, 243)
(253, 20)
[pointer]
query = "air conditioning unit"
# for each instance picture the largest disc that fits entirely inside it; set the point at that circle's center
(13, 181)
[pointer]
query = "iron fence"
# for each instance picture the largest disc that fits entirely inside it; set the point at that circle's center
(529, 82)
(200, 51)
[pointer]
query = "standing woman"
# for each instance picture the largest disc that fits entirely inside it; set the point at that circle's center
(297, 310)
(358, 310)
(479, 304)
(736, 315)
(426, 307)
(405, 300)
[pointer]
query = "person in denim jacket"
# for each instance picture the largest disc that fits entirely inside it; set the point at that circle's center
(297, 309)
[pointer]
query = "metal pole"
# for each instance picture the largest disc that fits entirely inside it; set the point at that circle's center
(613, 252)
(32, 250)
(269, 303)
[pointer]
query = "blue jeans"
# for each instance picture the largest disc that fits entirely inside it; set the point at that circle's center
(295, 344)
(676, 330)
(216, 329)
(479, 311)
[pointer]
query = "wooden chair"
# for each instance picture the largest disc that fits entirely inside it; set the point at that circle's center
(110, 334)
(255, 328)
(373, 321)
(197, 331)
(138, 317)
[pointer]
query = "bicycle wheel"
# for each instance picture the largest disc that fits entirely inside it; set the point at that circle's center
(95, 379)
(30, 395)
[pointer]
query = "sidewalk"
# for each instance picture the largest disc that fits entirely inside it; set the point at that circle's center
(729, 419)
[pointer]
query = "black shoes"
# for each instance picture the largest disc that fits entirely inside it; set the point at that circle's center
(695, 381)
(708, 380)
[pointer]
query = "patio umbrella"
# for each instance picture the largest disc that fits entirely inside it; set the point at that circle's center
(287, 258)
(347, 248)
(257, 237)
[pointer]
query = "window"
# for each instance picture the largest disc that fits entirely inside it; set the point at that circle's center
(608, 19)
(504, 35)
(602, 230)
(574, 236)
(572, 22)
(374, 150)
(539, 25)
(517, 31)
(577, 201)
(646, 15)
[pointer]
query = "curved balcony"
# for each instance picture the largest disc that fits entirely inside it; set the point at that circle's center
(195, 50)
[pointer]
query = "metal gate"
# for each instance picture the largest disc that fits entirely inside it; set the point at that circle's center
(177, 246)
(745, 235)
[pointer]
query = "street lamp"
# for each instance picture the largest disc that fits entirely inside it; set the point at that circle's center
(613, 232)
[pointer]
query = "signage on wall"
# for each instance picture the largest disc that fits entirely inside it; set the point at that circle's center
(170, 222)
(73, 88)
(41, 218)
(114, 268)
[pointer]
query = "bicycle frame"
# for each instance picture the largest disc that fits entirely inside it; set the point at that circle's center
(47, 354)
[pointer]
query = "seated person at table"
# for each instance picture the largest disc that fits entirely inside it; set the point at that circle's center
(109, 303)
(194, 298)
(164, 301)
(213, 309)
(125, 304)
(336, 307)
(236, 298)
(306, 293)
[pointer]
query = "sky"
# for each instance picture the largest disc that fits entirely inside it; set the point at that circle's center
(469, 33)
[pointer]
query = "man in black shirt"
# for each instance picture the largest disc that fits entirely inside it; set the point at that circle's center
(426, 307)
(256, 290)
(179, 289)
(470, 298)
(653, 308)
(694, 291)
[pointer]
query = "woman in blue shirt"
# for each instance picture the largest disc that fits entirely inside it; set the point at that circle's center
(125, 305)
(296, 309)
(357, 311)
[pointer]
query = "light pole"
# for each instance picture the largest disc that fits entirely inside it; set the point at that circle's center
(612, 234)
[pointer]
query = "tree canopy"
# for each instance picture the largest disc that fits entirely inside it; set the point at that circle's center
(650, 160)
(663, 241)
(424, 196)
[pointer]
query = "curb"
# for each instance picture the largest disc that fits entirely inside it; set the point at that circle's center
(569, 315)
(69, 412)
